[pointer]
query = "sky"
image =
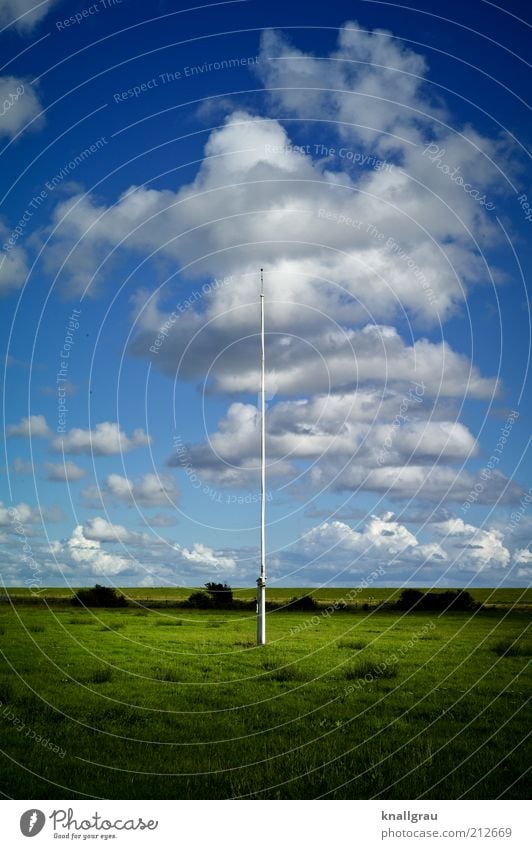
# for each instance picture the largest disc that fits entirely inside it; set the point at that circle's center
(374, 159)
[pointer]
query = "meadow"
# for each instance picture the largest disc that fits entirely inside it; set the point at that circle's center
(174, 703)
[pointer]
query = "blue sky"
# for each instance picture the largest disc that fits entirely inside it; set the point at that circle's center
(375, 160)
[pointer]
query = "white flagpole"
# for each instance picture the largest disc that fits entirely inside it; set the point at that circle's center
(261, 581)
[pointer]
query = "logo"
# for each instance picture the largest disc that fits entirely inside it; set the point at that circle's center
(32, 822)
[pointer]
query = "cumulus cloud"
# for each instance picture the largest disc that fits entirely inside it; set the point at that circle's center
(326, 359)
(32, 426)
(152, 490)
(24, 14)
(206, 559)
(473, 549)
(523, 555)
(13, 263)
(369, 86)
(23, 514)
(454, 548)
(19, 106)
(66, 472)
(105, 439)
(431, 483)
(88, 555)
(381, 441)
(373, 91)
(354, 240)
(381, 534)
(302, 211)
(102, 530)
(142, 558)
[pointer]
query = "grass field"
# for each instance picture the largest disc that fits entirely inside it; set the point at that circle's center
(516, 597)
(178, 704)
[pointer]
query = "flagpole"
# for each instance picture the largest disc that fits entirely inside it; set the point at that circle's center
(261, 581)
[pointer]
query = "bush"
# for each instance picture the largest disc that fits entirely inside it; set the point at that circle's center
(201, 600)
(221, 594)
(411, 599)
(306, 603)
(99, 596)
(418, 600)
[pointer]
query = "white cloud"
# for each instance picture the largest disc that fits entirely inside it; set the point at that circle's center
(343, 271)
(106, 439)
(24, 14)
(381, 535)
(88, 555)
(433, 483)
(372, 90)
(354, 440)
(523, 562)
(31, 427)
(473, 549)
(23, 514)
(102, 530)
(150, 491)
(369, 85)
(19, 106)
(455, 548)
(67, 471)
(13, 264)
(206, 558)
(324, 359)
(523, 555)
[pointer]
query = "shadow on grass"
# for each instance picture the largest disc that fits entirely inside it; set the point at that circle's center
(370, 671)
(511, 648)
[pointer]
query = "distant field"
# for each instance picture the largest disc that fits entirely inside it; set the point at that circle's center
(507, 597)
(181, 704)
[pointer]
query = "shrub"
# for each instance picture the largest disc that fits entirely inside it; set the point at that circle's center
(99, 596)
(201, 600)
(305, 603)
(221, 594)
(412, 599)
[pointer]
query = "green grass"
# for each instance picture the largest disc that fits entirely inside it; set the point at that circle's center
(513, 648)
(369, 670)
(360, 705)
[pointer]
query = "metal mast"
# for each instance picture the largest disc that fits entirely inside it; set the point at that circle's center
(261, 581)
